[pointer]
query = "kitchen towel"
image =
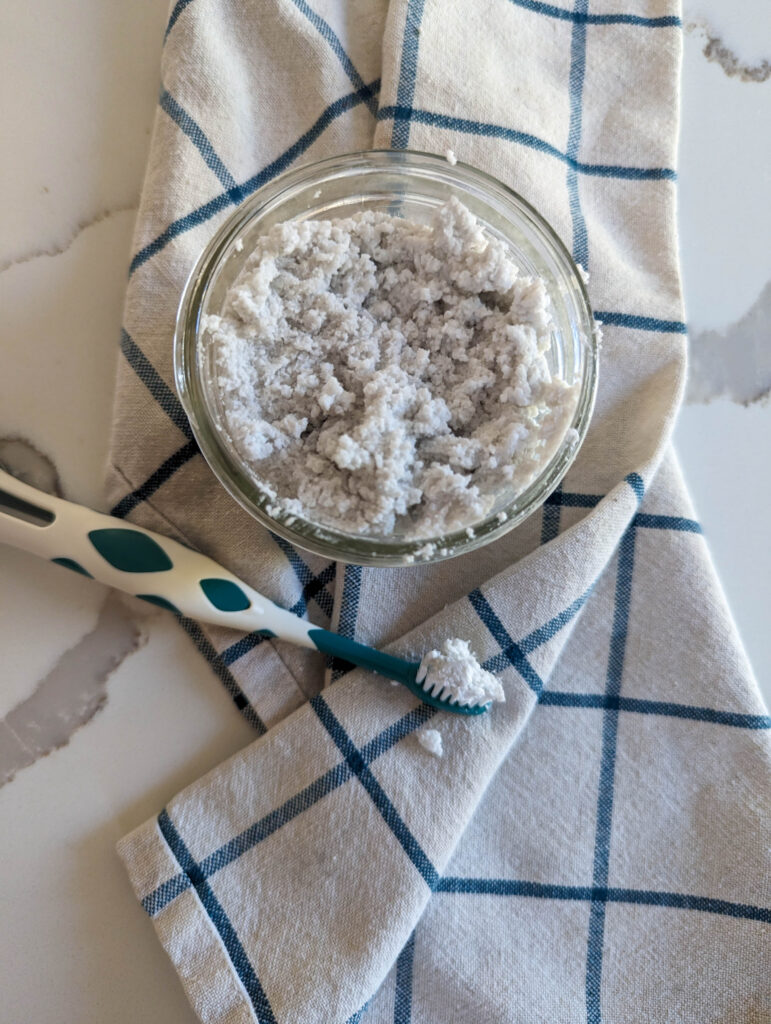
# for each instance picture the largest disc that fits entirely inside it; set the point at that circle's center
(596, 849)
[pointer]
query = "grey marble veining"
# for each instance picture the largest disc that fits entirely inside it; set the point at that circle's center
(742, 30)
(72, 692)
(715, 49)
(61, 246)
(69, 696)
(734, 362)
(23, 460)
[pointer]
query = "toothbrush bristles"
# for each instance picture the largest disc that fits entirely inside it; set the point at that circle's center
(440, 690)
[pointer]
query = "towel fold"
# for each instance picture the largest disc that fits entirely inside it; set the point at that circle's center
(596, 848)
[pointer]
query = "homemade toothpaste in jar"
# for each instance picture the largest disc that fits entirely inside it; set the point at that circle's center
(392, 370)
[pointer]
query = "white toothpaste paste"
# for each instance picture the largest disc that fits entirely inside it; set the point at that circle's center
(381, 376)
(453, 672)
(431, 740)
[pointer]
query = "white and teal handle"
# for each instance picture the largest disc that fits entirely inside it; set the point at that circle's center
(170, 575)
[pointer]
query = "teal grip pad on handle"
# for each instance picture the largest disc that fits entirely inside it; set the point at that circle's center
(130, 550)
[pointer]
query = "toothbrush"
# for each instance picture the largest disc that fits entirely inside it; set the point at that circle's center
(168, 574)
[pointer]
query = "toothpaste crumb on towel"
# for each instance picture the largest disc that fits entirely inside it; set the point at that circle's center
(455, 673)
(431, 740)
(379, 375)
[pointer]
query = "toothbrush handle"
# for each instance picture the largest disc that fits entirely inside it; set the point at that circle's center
(139, 562)
(168, 574)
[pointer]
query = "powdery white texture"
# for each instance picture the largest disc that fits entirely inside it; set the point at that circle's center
(382, 376)
(431, 740)
(454, 673)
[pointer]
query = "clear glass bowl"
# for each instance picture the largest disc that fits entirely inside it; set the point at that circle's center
(405, 184)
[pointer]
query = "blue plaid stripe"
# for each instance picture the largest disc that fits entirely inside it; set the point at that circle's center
(560, 499)
(551, 521)
(172, 406)
(601, 894)
(179, 7)
(230, 940)
(232, 196)
(394, 733)
(400, 136)
(550, 517)
(403, 990)
(584, 18)
(195, 133)
(575, 90)
(272, 822)
(349, 611)
(329, 781)
(515, 653)
(223, 673)
(290, 809)
(486, 129)
(242, 647)
(569, 499)
(454, 885)
(640, 706)
(377, 794)
(549, 630)
(165, 893)
(635, 481)
(314, 586)
(607, 775)
(154, 383)
(511, 652)
(162, 474)
(640, 323)
(326, 31)
(646, 521)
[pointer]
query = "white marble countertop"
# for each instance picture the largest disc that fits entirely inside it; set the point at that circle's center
(79, 83)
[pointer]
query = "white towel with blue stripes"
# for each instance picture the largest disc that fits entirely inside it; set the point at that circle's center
(596, 849)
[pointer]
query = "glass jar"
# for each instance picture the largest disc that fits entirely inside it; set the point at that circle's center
(405, 184)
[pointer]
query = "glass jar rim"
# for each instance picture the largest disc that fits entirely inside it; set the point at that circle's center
(305, 533)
